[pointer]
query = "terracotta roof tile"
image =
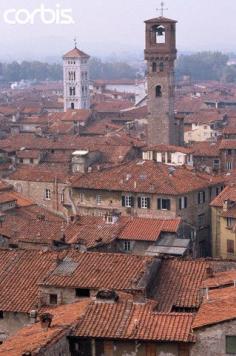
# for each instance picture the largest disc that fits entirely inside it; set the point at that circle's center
(112, 106)
(168, 148)
(6, 197)
(34, 338)
(101, 270)
(146, 177)
(219, 307)
(75, 53)
(229, 193)
(129, 321)
(227, 144)
(38, 173)
(148, 229)
(220, 279)
(93, 231)
(19, 277)
(28, 154)
(208, 149)
(178, 284)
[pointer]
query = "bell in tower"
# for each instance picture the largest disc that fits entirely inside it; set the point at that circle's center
(160, 54)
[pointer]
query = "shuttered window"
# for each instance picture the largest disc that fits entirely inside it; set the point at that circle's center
(144, 202)
(128, 201)
(231, 344)
(163, 204)
(230, 246)
(201, 197)
(183, 203)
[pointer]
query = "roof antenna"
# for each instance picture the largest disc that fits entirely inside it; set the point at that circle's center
(75, 41)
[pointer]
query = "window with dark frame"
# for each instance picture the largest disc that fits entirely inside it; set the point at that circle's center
(158, 91)
(163, 204)
(99, 199)
(127, 246)
(230, 247)
(229, 221)
(82, 293)
(201, 197)
(128, 201)
(183, 203)
(53, 299)
(161, 67)
(47, 194)
(144, 202)
(201, 220)
(230, 344)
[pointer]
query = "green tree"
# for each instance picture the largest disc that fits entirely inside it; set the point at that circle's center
(202, 65)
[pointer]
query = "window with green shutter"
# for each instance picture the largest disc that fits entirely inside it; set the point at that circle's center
(231, 345)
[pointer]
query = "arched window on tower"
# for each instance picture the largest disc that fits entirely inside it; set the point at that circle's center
(161, 67)
(72, 105)
(72, 91)
(160, 34)
(154, 67)
(158, 91)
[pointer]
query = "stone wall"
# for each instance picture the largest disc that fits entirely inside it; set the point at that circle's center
(36, 192)
(211, 341)
(11, 322)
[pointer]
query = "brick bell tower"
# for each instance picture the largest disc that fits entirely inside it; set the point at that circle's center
(160, 54)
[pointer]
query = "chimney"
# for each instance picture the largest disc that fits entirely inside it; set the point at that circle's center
(209, 272)
(226, 205)
(139, 297)
(33, 316)
(45, 320)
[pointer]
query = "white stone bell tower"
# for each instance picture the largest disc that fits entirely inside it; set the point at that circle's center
(76, 80)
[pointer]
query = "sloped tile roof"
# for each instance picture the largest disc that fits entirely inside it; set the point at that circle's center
(220, 279)
(229, 193)
(178, 284)
(148, 229)
(219, 307)
(38, 173)
(227, 144)
(33, 338)
(129, 321)
(75, 53)
(205, 149)
(102, 270)
(146, 177)
(19, 277)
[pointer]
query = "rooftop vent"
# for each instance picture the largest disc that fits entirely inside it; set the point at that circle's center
(65, 267)
(128, 176)
(171, 170)
(45, 320)
(140, 163)
(209, 272)
(41, 217)
(107, 295)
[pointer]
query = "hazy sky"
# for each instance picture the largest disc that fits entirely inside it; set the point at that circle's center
(106, 26)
